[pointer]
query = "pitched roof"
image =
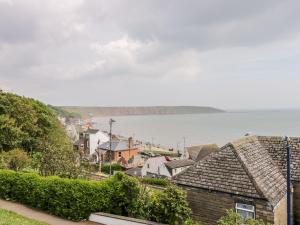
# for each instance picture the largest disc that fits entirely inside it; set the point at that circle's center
(243, 167)
(276, 147)
(199, 152)
(116, 145)
(136, 172)
(92, 131)
(179, 163)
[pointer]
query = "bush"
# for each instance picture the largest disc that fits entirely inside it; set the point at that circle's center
(170, 206)
(114, 167)
(155, 181)
(232, 218)
(16, 159)
(76, 199)
(68, 198)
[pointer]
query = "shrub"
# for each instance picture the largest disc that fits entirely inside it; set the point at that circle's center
(124, 193)
(68, 198)
(76, 199)
(16, 159)
(114, 167)
(170, 206)
(232, 218)
(155, 181)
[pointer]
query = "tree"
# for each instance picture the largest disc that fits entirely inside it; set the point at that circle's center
(33, 126)
(16, 159)
(170, 206)
(58, 156)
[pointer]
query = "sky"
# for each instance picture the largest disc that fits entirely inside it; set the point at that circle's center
(229, 54)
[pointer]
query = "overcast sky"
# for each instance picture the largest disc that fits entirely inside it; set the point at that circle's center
(230, 54)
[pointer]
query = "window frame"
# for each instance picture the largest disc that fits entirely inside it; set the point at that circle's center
(246, 210)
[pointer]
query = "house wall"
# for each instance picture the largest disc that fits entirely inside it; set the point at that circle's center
(296, 203)
(178, 170)
(126, 154)
(94, 139)
(156, 166)
(280, 214)
(209, 206)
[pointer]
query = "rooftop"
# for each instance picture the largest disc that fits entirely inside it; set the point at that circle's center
(116, 145)
(252, 166)
(179, 163)
(199, 152)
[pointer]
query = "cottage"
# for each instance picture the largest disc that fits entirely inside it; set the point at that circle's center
(164, 167)
(89, 141)
(177, 166)
(247, 175)
(199, 152)
(155, 167)
(119, 151)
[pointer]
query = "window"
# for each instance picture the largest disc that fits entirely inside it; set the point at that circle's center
(246, 211)
(120, 154)
(148, 166)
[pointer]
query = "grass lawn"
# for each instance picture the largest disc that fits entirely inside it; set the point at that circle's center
(11, 218)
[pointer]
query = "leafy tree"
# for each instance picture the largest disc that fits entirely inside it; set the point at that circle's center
(58, 156)
(170, 206)
(232, 218)
(16, 159)
(125, 192)
(24, 122)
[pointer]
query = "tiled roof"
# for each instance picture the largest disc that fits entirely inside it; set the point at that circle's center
(266, 176)
(116, 145)
(244, 167)
(277, 149)
(92, 131)
(179, 163)
(199, 152)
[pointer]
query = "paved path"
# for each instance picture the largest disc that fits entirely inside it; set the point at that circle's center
(38, 215)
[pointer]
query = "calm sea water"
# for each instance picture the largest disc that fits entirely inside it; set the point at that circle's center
(169, 130)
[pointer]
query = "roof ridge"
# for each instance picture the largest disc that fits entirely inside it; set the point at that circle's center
(251, 177)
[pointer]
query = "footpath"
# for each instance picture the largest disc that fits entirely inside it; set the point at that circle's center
(38, 215)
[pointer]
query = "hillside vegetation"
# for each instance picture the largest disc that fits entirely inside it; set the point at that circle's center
(139, 110)
(30, 128)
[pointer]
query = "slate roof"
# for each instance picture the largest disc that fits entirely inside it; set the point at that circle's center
(116, 145)
(277, 149)
(199, 152)
(179, 163)
(92, 131)
(244, 167)
(135, 172)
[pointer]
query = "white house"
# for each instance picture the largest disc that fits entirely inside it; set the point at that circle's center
(161, 167)
(91, 139)
(155, 167)
(176, 166)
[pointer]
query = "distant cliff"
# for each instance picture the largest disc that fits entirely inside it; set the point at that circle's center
(139, 110)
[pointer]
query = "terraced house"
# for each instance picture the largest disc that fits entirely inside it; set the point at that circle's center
(247, 175)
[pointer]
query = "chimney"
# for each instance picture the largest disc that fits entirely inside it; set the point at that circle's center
(130, 143)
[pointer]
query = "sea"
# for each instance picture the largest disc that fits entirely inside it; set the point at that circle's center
(176, 131)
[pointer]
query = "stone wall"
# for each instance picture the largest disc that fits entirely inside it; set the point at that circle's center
(209, 206)
(296, 203)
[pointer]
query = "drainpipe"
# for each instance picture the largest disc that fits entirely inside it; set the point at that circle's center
(288, 179)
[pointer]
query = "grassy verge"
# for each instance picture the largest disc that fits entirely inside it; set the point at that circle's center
(11, 218)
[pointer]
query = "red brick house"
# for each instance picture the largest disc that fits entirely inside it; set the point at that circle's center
(121, 151)
(247, 175)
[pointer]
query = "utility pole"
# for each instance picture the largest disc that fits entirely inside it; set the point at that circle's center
(110, 139)
(184, 154)
(288, 179)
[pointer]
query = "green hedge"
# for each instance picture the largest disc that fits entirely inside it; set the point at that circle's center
(114, 167)
(155, 181)
(68, 198)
